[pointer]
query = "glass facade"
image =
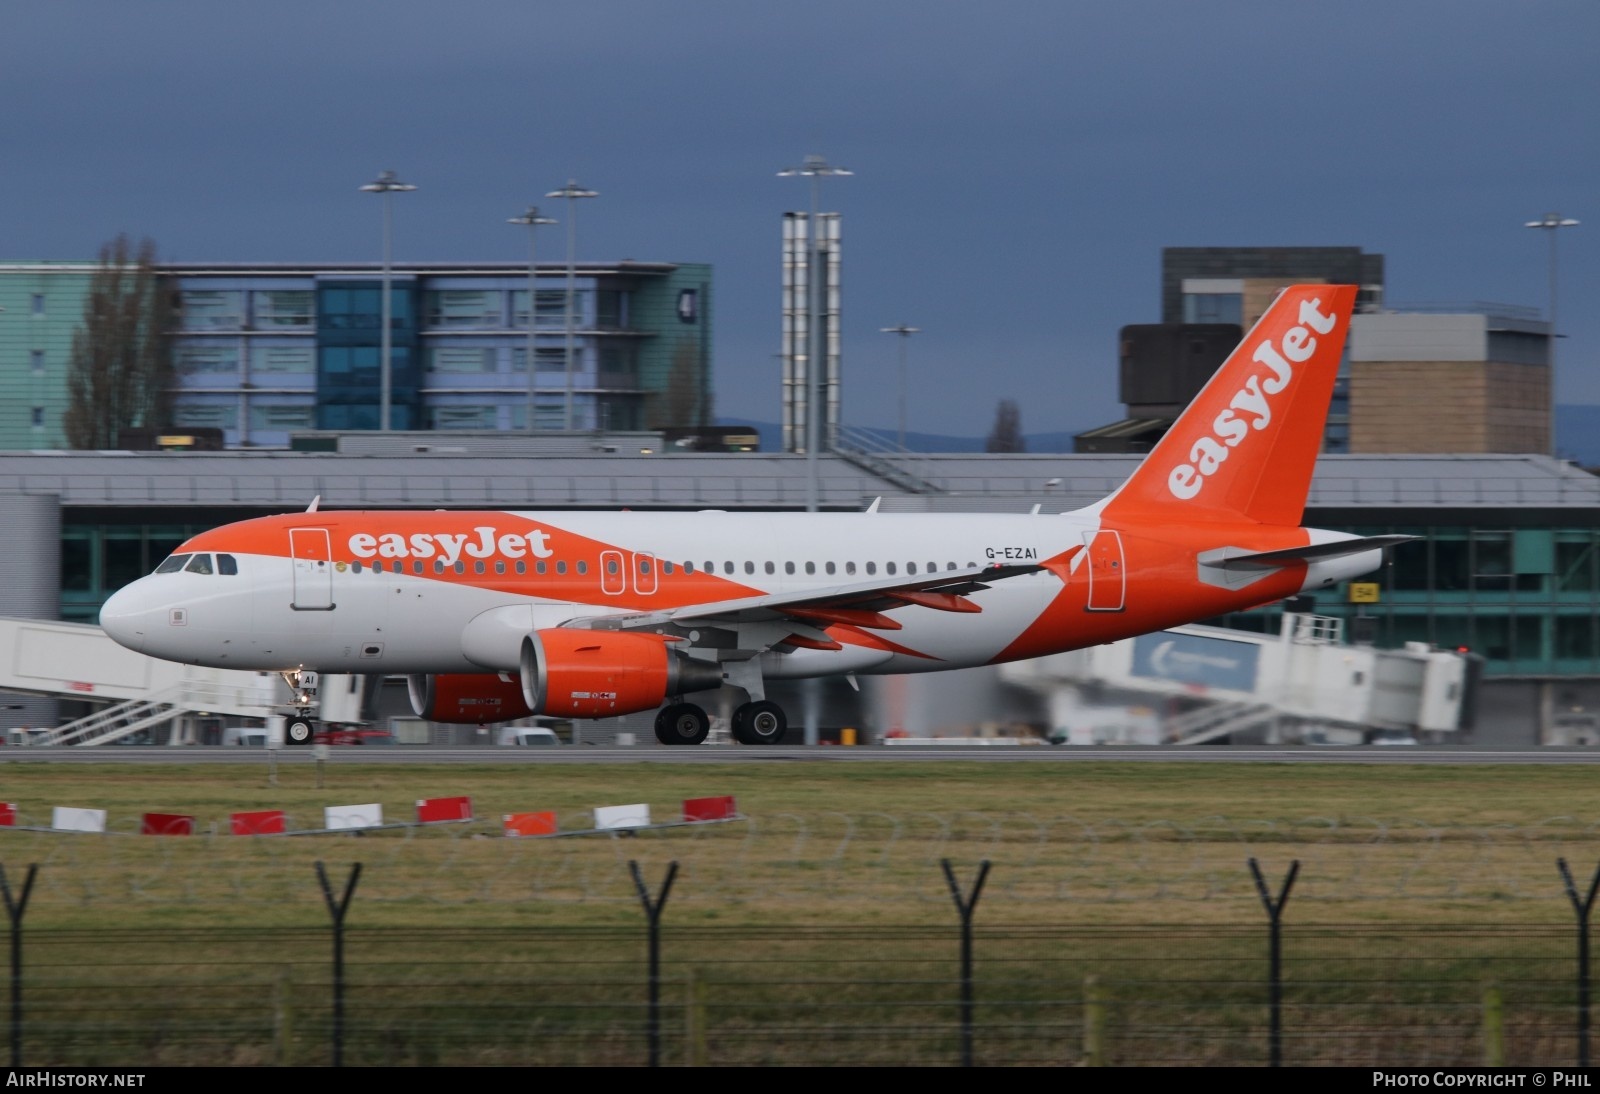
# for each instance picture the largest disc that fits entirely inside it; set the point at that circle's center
(262, 355)
(1525, 598)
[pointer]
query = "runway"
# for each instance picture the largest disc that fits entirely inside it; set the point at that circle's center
(733, 754)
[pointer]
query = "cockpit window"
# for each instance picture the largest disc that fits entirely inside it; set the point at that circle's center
(199, 564)
(172, 565)
(227, 564)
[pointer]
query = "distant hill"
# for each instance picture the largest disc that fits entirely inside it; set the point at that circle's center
(772, 439)
(1577, 437)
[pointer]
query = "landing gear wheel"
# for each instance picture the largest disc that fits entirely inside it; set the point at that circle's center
(682, 724)
(299, 731)
(762, 723)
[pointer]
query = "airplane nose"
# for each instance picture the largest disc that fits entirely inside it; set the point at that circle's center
(125, 617)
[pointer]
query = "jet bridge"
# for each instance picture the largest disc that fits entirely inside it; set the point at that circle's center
(140, 697)
(1197, 684)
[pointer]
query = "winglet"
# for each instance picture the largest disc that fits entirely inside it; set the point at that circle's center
(873, 508)
(316, 501)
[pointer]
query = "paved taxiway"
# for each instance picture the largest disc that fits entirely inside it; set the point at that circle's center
(615, 754)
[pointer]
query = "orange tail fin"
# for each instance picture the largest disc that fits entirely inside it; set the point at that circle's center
(1245, 448)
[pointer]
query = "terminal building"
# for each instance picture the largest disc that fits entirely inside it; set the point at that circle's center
(262, 351)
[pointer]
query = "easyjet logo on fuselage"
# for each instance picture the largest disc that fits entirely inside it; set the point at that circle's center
(485, 542)
(1251, 406)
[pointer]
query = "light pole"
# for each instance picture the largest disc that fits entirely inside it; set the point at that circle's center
(905, 333)
(1550, 222)
(532, 219)
(385, 184)
(572, 192)
(816, 168)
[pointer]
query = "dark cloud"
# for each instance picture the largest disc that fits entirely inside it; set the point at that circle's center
(1019, 165)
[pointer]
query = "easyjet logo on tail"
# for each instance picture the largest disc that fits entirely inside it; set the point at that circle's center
(1251, 406)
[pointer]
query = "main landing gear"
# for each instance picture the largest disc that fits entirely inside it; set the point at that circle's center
(682, 724)
(762, 723)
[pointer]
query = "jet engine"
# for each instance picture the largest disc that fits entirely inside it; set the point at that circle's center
(467, 698)
(603, 674)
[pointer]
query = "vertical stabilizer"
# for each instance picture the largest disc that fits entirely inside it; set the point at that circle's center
(1245, 449)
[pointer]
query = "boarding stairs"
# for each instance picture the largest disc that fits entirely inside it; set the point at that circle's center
(866, 452)
(1216, 721)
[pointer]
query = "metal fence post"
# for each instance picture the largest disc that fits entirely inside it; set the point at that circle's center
(1275, 954)
(652, 911)
(15, 910)
(337, 909)
(965, 906)
(1582, 908)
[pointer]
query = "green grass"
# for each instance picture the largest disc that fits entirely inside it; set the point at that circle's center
(819, 928)
(1117, 842)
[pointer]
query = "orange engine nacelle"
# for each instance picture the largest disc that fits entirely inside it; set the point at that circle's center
(467, 698)
(603, 674)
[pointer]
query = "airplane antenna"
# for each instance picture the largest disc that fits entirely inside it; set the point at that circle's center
(316, 501)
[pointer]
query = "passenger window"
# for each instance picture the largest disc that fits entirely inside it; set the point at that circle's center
(666, 567)
(788, 567)
(727, 567)
(461, 567)
(355, 567)
(583, 567)
(849, 567)
(811, 567)
(522, 567)
(888, 568)
(417, 567)
(830, 567)
(499, 566)
(477, 567)
(749, 567)
(611, 566)
(561, 567)
(644, 565)
(771, 569)
(199, 564)
(438, 565)
(911, 567)
(227, 565)
(172, 565)
(872, 567)
(688, 567)
(539, 567)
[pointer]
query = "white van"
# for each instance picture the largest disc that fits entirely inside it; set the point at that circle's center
(528, 737)
(249, 736)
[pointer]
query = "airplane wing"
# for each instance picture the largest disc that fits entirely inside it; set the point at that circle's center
(860, 605)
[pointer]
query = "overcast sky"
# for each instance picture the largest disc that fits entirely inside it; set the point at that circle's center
(1018, 164)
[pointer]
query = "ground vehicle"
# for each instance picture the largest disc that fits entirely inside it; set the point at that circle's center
(252, 736)
(495, 615)
(528, 737)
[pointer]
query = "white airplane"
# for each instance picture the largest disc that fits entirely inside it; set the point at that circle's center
(496, 615)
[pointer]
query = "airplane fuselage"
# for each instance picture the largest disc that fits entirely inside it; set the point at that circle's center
(347, 592)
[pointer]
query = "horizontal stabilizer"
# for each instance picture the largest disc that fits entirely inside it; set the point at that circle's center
(1310, 553)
